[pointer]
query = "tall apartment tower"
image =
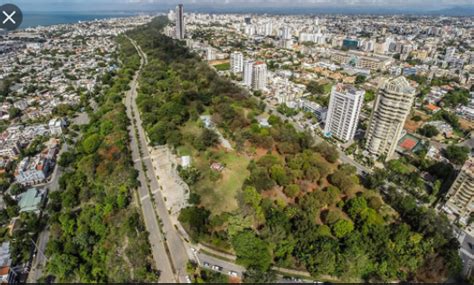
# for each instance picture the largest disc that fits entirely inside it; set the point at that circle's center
(460, 198)
(236, 62)
(248, 72)
(180, 27)
(259, 76)
(391, 109)
(343, 113)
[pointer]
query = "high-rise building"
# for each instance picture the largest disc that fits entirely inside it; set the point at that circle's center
(248, 72)
(210, 53)
(343, 113)
(236, 62)
(460, 198)
(180, 26)
(286, 33)
(259, 76)
(391, 108)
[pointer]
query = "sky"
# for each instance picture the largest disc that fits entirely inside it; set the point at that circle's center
(114, 5)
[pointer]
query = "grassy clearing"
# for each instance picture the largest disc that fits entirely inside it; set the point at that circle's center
(217, 190)
(222, 66)
(220, 195)
(327, 88)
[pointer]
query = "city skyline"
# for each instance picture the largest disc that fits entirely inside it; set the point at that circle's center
(215, 141)
(273, 6)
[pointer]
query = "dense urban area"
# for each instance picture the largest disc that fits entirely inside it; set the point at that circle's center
(227, 148)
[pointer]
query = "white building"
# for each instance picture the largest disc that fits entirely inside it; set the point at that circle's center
(210, 54)
(286, 33)
(319, 111)
(56, 126)
(391, 109)
(460, 198)
(248, 71)
(259, 76)
(343, 113)
(236, 62)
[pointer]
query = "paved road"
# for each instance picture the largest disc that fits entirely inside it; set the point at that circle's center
(207, 261)
(156, 238)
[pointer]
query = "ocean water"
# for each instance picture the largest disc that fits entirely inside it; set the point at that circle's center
(34, 19)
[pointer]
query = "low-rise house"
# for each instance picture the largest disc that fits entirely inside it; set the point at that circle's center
(33, 170)
(319, 111)
(443, 127)
(5, 261)
(263, 123)
(432, 108)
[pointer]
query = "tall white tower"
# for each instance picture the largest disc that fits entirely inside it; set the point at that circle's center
(180, 26)
(248, 72)
(343, 113)
(236, 62)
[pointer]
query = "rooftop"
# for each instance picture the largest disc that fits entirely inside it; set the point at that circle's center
(30, 200)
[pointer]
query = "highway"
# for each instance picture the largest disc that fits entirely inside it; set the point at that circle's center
(179, 256)
(156, 239)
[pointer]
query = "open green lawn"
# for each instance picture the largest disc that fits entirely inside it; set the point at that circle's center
(223, 66)
(191, 128)
(327, 88)
(220, 196)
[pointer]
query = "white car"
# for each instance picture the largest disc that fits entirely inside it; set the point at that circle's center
(233, 274)
(188, 280)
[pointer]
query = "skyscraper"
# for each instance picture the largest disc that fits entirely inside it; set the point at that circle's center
(180, 28)
(460, 198)
(259, 76)
(236, 62)
(391, 109)
(343, 112)
(248, 71)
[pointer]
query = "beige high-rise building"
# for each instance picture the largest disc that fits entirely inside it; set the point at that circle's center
(391, 109)
(460, 198)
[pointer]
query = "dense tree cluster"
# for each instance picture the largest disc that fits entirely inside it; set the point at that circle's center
(297, 208)
(96, 234)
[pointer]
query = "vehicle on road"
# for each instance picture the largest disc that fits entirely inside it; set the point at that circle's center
(233, 274)
(206, 264)
(216, 268)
